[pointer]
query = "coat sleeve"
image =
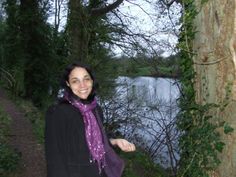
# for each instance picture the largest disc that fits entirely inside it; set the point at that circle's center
(55, 144)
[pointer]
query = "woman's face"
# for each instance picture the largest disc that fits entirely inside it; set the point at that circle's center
(80, 82)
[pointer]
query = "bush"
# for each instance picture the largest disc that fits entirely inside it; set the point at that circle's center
(9, 159)
(138, 164)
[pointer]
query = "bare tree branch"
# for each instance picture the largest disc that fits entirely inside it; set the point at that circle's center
(168, 3)
(106, 9)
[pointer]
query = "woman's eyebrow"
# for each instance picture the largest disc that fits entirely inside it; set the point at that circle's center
(73, 78)
(87, 76)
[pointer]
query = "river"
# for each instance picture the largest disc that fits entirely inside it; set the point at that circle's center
(145, 109)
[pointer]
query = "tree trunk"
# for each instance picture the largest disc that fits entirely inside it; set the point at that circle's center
(215, 66)
(78, 29)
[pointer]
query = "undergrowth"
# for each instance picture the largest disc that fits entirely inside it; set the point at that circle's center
(9, 158)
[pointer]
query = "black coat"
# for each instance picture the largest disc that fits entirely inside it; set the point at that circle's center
(67, 153)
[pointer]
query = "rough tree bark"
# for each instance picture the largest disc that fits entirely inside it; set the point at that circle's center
(215, 66)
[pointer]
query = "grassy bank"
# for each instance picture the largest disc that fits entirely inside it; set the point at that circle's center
(9, 158)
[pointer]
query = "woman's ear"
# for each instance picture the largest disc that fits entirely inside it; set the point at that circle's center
(67, 83)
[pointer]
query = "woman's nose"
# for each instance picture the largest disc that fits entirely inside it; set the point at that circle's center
(82, 83)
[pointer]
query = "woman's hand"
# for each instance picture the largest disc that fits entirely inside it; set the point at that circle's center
(123, 144)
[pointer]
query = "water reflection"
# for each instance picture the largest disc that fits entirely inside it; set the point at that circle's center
(148, 88)
(146, 110)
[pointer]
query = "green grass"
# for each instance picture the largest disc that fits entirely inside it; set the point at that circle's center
(9, 158)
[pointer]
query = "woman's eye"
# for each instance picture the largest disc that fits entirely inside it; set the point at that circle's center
(74, 82)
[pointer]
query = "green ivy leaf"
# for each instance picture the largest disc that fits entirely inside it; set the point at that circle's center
(227, 128)
(219, 146)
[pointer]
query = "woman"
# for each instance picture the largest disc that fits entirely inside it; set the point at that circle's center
(75, 142)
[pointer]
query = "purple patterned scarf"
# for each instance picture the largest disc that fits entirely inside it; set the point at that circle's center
(93, 133)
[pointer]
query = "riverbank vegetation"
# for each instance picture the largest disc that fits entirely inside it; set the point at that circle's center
(142, 65)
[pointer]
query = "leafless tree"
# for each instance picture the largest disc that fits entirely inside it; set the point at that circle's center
(127, 33)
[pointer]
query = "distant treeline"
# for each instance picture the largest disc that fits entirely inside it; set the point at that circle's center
(148, 66)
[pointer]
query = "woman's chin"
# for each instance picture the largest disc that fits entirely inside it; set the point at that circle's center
(83, 97)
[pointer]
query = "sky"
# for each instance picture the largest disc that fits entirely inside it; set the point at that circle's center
(159, 23)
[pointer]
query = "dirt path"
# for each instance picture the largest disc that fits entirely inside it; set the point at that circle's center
(22, 138)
